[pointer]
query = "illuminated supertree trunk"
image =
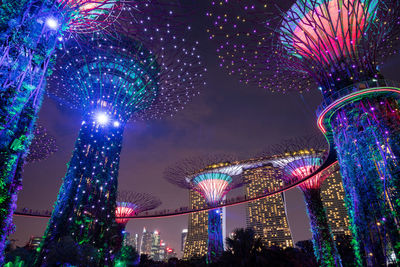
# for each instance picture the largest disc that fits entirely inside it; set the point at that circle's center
(12, 162)
(215, 242)
(86, 201)
(302, 157)
(109, 81)
(366, 133)
(29, 32)
(324, 244)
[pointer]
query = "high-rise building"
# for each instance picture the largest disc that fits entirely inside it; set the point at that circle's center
(183, 239)
(155, 245)
(131, 240)
(267, 216)
(332, 194)
(197, 236)
(146, 242)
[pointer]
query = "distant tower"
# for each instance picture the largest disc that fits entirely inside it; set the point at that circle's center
(183, 239)
(146, 242)
(267, 216)
(155, 245)
(332, 194)
(196, 239)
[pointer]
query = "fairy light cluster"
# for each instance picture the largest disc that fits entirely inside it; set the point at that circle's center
(298, 45)
(43, 145)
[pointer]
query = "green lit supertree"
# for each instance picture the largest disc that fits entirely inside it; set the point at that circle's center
(30, 31)
(336, 46)
(212, 177)
(112, 81)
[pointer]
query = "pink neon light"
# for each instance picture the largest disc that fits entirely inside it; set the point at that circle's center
(304, 171)
(338, 102)
(123, 212)
(330, 38)
(213, 190)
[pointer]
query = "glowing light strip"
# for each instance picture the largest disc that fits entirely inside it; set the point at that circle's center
(179, 213)
(212, 186)
(349, 97)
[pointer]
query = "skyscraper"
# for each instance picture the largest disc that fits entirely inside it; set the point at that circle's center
(332, 195)
(146, 242)
(267, 216)
(183, 239)
(196, 240)
(131, 240)
(155, 246)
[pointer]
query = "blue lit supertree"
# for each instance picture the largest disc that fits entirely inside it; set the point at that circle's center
(336, 46)
(112, 81)
(29, 33)
(212, 177)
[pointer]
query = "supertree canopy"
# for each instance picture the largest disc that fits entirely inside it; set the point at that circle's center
(111, 81)
(213, 177)
(339, 45)
(30, 31)
(299, 158)
(130, 204)
(43, 145)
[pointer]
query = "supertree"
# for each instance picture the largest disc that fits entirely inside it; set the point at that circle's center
(30, 30)
(338, 46)
(212, 177)
(130, 204)
(298, 158)
(111, 81)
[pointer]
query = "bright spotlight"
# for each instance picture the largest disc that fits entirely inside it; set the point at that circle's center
(52, 23)
(102, 118)
(116, 124)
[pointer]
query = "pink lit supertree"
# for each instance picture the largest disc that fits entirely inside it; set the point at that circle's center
(130, 204)
(337, 47)
(298, 158)
(212, 177)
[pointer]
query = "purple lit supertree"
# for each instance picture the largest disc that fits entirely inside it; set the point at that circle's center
(212, 177)
(338, 46)
(130, 204)
(110, 82)
(299, 158)
(30, 31)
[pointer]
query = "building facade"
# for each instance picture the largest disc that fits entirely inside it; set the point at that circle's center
(197, 236)
(183, 239)
(332, 194)
(146, 242)
(267, 216)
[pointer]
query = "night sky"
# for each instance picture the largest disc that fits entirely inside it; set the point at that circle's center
(228, 117)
